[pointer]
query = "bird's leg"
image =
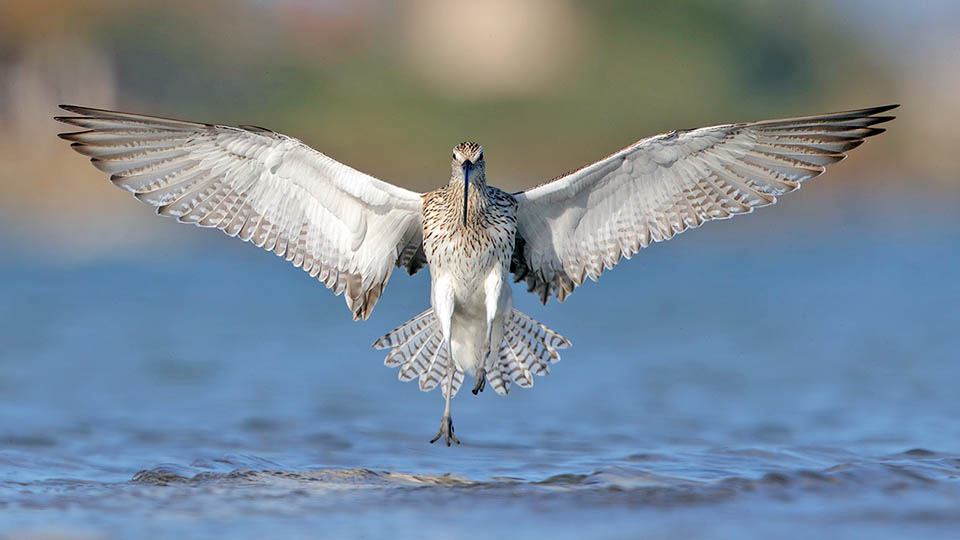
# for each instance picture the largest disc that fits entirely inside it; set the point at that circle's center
(443, 304)
(446, 423)
(494, 290)
(481, 375)
(481, 381)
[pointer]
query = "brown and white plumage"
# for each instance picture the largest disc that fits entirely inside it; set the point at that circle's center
(350, 230)
(344, 227)
(584, 222)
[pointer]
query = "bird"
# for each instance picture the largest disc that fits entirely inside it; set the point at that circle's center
(350, 230)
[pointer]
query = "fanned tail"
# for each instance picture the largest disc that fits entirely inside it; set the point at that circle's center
(419, 350)
(528, 348)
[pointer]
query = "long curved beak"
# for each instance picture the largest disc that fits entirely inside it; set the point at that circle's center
(467, 166)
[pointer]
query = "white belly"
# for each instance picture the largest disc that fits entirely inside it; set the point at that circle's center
(476, 300)
(469, 260)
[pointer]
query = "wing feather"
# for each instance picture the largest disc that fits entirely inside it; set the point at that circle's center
(579, 225)
(341, 226)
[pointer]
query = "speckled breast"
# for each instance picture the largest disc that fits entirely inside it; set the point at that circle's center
(469, 250)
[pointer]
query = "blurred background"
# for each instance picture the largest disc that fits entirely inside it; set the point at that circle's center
(388, 87)
(791, 370)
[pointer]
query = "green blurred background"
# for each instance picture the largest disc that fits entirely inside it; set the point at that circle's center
(389, 87)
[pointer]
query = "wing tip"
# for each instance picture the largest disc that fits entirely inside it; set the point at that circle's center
(884, 108)
(71, 120)
(81, 110)
(257, 129)
(874, 113)
(868, 111)
(877, 116)
(93, 113)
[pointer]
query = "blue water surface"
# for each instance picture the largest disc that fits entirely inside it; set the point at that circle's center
(787, 374)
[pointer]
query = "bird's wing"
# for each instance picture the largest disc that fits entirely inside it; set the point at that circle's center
(582, 223)
(341, 226)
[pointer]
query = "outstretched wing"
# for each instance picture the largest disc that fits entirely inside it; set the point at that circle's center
(341, 226)
(584, 222)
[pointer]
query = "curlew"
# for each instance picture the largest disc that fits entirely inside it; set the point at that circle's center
(349, 230)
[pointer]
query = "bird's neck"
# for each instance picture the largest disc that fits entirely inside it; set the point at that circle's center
(478, 198)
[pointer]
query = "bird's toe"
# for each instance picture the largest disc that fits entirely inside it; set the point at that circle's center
(481, 382)
(445, 431)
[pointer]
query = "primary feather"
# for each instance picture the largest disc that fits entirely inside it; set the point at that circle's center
(584, 222)
(343, 227)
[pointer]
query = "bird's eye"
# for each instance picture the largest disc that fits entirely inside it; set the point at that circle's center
(480, 157)
(454, 155)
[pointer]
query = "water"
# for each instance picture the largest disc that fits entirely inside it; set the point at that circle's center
(780, 375)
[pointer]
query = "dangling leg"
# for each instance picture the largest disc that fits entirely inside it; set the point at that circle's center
(492, 354)
(481, 373)
(446, 423)
(443, 300)
(499, 302)
(481, 378)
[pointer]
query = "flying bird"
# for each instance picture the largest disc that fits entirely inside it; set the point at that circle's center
(350, 230)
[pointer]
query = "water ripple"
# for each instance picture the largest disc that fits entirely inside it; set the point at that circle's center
(912, 469)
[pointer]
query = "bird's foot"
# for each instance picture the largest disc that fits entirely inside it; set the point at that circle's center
(446, 431)
(481, 381)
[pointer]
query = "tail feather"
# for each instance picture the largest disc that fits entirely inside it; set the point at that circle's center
(408, 350)
(419, 351)
(433, 367)
(431, 378)
(401, 334)
(495, 380)
(515, 359)
(539, 332)
(414, 355)
(528, 349)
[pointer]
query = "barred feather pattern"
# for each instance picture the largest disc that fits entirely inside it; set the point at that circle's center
(345, 228)
(578, 225)
(418, 349)
(528, 348)
(420, 352)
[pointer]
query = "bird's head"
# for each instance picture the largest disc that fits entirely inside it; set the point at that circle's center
(467, 166)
